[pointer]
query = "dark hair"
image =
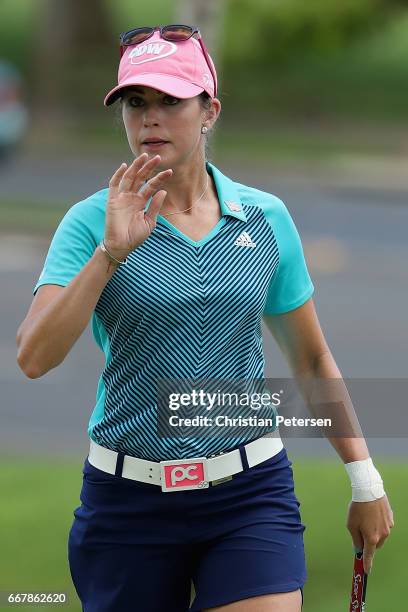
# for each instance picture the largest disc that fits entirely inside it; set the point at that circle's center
(205, 102)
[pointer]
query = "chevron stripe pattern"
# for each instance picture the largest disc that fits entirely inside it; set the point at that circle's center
(178, 311)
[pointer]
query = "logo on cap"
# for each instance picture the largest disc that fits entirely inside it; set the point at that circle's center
(207, 80)
(151, 51)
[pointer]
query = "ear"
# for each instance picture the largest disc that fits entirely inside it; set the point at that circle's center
(214, 111)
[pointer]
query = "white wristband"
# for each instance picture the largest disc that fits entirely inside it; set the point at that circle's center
(366, 482)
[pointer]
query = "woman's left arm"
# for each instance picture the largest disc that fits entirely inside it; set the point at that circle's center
(302, 342)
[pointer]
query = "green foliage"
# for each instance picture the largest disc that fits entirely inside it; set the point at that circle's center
(127, 14)
(283, 59)
(315, 60)
(278, 33)
(17, 21)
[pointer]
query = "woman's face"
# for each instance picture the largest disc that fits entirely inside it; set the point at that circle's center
(150, 113)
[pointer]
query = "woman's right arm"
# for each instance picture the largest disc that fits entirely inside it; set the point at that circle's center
(58, 316)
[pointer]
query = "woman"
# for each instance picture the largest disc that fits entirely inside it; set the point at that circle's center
(176, 264)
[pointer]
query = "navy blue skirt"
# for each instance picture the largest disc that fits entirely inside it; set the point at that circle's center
(133, 547)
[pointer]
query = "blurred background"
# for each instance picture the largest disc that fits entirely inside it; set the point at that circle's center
(314, 109)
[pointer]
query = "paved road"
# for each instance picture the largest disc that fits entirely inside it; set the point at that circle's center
(356, 246)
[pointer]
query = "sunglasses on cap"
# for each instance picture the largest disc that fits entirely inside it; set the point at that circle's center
(169, 32)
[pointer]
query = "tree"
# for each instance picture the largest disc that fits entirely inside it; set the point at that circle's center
(208, 15)
(75, 57)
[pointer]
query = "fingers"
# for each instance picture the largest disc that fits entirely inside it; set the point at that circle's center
(155, 183)
(149, 223)
(132, 178)
(368, 554)
(124, 177)
(385, 532)
(115, 180)
(138, 172)
(368, 546)
(155, 205)
(357, 538)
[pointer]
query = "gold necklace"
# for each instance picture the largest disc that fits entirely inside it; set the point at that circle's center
(180, 211)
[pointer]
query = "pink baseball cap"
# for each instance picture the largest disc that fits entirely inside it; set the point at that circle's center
(178, 68)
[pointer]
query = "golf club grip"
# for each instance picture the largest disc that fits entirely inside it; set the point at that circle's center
(359, 585)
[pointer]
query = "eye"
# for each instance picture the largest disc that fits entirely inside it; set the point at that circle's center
(131, 99)
(168, 97)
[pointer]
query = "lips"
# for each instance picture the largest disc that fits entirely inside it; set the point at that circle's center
(154, 141)
(154, 145)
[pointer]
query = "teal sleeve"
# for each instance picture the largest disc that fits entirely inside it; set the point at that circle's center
(72, 245)
(290, 285)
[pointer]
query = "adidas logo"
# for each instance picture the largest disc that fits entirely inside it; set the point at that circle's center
(245, 240)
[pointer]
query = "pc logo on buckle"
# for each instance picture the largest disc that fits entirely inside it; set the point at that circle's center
(184, 474)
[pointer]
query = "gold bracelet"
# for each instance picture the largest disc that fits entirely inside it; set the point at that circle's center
(111, 257)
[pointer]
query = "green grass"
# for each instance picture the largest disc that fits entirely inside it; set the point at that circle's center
(31, 216)
(324, 492)
(40, 494)
(39, 497)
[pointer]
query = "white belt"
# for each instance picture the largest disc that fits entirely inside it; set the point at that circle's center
(215, 468)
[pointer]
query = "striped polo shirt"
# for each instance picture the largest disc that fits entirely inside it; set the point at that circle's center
(182, 309)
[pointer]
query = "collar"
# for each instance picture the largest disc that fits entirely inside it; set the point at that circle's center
(228, 195)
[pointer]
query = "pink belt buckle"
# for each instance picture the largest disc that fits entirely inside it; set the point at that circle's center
(184, 474)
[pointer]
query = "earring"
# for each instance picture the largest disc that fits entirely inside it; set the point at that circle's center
(204, 129)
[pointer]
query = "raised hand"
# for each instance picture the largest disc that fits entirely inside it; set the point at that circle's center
(127, 226)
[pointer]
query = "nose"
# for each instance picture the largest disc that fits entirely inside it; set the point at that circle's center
(151, 115)
(148, 122)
